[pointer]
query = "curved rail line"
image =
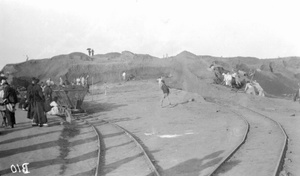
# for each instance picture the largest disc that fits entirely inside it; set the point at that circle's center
(147, 158)
(99, 151)
(237, 147)
(151, 165)
(280, 162)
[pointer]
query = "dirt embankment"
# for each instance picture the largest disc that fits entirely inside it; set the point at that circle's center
(187, 71)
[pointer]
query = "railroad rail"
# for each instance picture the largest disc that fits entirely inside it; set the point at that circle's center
(121, 130)
(280, 161)
(235, 148)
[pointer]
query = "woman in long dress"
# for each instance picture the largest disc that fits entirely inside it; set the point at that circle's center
(38, 104)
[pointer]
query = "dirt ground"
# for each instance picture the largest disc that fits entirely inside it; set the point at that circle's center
(185, 138)
(189, 138)
(54, 150)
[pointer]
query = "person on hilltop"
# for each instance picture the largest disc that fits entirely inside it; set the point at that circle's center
(89, 51)
(165, 89)
(10, 100)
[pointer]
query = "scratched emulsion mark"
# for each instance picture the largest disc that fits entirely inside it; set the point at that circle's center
(69, 131)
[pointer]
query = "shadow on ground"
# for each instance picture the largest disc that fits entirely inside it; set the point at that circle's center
(61, 160)
(193, 167)
(95, 107)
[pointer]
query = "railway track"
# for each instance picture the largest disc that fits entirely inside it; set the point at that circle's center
(261, 152)
(120, 153)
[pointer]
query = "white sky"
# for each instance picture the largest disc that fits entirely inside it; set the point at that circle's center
(45, 28)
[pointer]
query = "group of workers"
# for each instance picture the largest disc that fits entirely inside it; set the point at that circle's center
(237, 80)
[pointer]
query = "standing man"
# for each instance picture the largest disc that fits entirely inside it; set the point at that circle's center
(29, 101)
(165, 90)
(38, 104)
(9, 99)
(92, 51)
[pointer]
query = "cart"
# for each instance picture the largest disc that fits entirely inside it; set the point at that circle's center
(70, 100)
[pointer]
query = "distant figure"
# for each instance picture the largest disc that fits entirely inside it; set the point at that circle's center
(43, 86)
(27, 58)
(82, 81)
(92, 52)
(297, 95)
(61, 82)
(227, 79)
(237, 79)
(89, 51)
(165, 90)
(86, 80)
(78, 81)
(48, 96)
(249, 89)
(87, 83)
(124, 76)
(259, 88)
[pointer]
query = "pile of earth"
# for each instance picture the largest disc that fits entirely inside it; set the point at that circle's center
(278, 77)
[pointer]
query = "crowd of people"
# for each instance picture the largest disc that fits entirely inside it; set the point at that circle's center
(36, 99)
(237, 80)
(78, 81)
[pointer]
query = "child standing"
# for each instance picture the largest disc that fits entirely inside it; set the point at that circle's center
(165, 89)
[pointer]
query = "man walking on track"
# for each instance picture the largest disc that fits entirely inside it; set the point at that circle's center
(165, 89)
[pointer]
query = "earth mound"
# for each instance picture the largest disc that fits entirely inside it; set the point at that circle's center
(278, 77)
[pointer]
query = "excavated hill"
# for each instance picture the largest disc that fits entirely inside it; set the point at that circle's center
(187, 71)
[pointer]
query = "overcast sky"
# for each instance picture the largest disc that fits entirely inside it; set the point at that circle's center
(45, 28)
